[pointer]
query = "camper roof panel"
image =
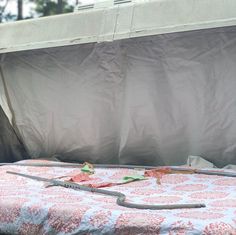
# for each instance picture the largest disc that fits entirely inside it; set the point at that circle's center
(119, 21)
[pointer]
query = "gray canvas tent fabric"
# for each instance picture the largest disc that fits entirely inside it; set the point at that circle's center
(11, 147)
(152, 100)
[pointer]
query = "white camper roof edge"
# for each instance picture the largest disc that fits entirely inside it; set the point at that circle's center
(120, 21)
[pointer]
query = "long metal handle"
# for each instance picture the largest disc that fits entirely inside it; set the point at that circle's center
(120, 196)
(75, 165)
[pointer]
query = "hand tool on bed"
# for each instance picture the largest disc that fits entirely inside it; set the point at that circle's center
(75, 165)
(120, 196)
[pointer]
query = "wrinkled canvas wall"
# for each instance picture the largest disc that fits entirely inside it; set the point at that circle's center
(11, 147)
(151, 100)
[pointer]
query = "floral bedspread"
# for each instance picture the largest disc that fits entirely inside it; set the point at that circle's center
(28, 207)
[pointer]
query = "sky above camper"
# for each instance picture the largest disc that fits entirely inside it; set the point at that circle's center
(12, 7)
(29, 6)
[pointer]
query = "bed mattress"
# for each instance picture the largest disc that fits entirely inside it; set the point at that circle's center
(28, 207)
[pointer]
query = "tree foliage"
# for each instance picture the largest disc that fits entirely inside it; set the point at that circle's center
(3, 13)
(49, 7)
(3, 5)
(42, 8)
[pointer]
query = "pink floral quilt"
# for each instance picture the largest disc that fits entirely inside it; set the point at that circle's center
(28, 207)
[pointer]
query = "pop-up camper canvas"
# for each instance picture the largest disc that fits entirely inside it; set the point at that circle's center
(145, 83)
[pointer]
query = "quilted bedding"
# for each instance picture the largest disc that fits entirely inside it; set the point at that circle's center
(28, 207)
